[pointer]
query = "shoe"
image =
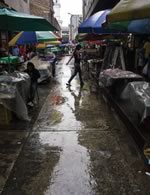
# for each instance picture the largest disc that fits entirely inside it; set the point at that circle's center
(30, 104)
(81, 85)
(68, 84)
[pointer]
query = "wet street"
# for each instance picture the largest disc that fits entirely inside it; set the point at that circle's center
(77, 146)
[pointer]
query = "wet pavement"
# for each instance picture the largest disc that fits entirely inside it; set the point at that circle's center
(77, 146)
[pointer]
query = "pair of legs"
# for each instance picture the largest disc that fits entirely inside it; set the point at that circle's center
(77, 70)
(33, 92)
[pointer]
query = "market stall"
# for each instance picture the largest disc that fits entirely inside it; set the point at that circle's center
(116, 80)
(14, 90)
(138, 93)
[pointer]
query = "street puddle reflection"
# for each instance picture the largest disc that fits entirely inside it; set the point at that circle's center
(71, 173)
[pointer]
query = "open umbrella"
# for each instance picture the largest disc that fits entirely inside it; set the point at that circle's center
(141, 26)
(44, 45)
(127, 10)
(16, 21)
(93, 24)
(33, 37)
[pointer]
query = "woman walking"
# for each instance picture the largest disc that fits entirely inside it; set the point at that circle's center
(77, 69)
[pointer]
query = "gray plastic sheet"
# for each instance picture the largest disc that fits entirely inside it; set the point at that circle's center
(14, 90)
(138, 95)
(109, 76)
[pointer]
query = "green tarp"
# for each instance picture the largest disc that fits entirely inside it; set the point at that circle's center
(11, 20)
(127, 10)
(9, 60)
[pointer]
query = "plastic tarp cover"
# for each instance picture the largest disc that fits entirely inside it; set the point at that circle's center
(138, 94)
(109, 76)
(14, 90)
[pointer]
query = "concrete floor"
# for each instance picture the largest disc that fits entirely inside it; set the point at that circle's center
(77, 146)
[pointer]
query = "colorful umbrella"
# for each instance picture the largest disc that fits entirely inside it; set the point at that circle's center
(33, 37)
(44, 45)
(127, 10)
(135, 26)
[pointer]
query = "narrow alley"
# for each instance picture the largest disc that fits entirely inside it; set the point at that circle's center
(78, 146)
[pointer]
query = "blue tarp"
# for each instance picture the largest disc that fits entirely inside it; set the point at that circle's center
(94, 23)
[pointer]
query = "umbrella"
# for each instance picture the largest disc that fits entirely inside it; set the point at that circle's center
(127, 10)
(44, 45)
(33, 37)
(17, 21)
(141, 26)
(94, 23)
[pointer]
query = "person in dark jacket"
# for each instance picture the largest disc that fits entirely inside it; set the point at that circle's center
(77, 58)
(34, 75)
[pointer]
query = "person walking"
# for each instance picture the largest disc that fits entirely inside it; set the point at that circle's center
(77, 58)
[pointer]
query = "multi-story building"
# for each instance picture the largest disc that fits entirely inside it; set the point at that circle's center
(65, 34)
(19, 5)
(92, 6)
(57, 7)
(44, 9)
(75, 21)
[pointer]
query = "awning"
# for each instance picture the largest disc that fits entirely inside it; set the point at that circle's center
(11, 20)
(141, 26)
(94, 23)
(92, 37)
(127, 10)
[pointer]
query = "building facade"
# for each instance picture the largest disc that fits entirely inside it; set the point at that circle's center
(19, 5)
(45, 9)
(92, 6)
(65, 34)
(75, 21)
(57, 7)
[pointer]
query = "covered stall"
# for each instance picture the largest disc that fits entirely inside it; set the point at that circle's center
(14, 89)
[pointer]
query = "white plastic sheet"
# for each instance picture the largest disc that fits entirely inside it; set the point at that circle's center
(14, 90)
(138, 95)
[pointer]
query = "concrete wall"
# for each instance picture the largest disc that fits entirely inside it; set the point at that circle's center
(19, 5)
(75, 21)
(42, 8)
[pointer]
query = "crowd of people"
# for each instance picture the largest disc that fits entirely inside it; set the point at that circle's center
(23, 52)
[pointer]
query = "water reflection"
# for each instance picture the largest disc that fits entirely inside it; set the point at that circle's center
(77, 103)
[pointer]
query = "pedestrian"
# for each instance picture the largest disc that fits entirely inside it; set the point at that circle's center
(15, 51)
(77, 58)
(34, 75)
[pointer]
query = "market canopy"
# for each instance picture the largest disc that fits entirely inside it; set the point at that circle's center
(92, 37)
(127, 10)
(33, 37)
(11, 20)
(94, 23)
(141, 26)
(44, 45)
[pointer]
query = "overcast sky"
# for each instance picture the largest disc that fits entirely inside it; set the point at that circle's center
(70, 6)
